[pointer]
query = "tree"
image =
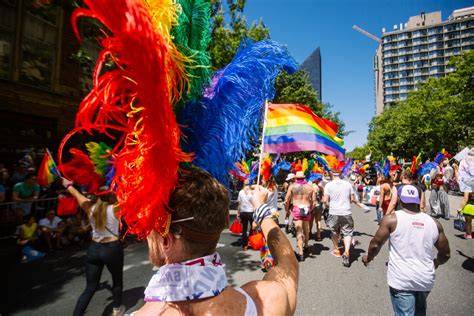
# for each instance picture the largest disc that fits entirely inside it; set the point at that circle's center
(328, 114)
(228, 35)
(437, 115)
(296, 88)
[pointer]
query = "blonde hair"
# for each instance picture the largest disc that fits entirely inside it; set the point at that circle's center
(100, 214)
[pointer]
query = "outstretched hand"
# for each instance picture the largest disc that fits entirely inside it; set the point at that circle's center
(260, 195)
(66, 182)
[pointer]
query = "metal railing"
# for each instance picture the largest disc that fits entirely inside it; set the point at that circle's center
(10, 213)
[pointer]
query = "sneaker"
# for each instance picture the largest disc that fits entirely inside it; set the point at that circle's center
(118, 311)
(468, 236)
(345, 260)
(300, 258)
(336, 253)
(287, 228)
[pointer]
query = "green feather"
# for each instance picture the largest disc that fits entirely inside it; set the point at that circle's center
(192, 37)
(99, 154)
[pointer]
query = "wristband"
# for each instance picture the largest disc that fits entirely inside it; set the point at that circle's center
(67, 186)
(262, 212)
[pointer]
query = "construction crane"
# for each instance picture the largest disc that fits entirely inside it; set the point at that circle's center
(369, 35)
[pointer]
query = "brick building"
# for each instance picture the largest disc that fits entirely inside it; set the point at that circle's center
(40, 83)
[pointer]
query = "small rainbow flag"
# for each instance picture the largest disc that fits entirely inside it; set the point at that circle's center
(294, 127)
(48, 172)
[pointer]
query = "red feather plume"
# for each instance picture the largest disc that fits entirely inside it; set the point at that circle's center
(135, 98)
(82, 171)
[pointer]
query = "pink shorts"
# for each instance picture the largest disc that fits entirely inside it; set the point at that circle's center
(298, 215)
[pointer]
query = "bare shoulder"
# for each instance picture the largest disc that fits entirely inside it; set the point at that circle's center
(269, 297)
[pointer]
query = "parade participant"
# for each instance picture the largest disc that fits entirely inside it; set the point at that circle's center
(439, 202)
(467, 209)
(288, 181)
(105, 248)
(191, 278)
(300, 195)
(466, 173)
(338, 195)
(183, 213)
(466, 185)
(388, 196)
(411, 266)
(448, 174)
(245, 213)
(318, 193)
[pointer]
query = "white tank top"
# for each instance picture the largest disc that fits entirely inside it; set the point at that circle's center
(410, 264)
(112, 224)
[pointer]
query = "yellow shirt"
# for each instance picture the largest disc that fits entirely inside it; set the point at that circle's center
(29, 232)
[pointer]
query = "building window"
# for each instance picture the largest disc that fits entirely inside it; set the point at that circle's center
(7, 36)
(38, 53)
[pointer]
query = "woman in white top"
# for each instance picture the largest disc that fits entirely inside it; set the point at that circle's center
(105, 248)
(245, 213)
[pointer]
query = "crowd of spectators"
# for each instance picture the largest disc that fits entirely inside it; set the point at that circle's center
(28, 212)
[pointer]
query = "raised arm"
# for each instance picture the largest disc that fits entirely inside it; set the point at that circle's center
(84, 202)
(278, 290)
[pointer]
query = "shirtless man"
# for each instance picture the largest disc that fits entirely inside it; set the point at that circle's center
(300, 195)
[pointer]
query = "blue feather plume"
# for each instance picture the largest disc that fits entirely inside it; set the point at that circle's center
(221, 127)
(386, 168)
(439, 157)
(347, 168)
(426, 168)
(284, 165)
(314, 176)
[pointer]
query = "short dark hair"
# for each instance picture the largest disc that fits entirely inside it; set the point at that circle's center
(201, 196)
(407, 175)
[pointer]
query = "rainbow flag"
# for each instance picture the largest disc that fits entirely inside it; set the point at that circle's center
(294, 127)
(48, 172)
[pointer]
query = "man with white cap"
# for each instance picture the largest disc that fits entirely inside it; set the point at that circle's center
(300, 195)
(411, 266)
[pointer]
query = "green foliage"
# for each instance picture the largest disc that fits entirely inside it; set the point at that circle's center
(438, 115)
(297, 89)
(328, 114)
(227, 35)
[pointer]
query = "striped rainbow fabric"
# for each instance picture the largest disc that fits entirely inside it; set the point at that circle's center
(294, 127)
(47, 172)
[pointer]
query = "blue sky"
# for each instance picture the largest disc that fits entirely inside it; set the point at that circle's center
(347, 55)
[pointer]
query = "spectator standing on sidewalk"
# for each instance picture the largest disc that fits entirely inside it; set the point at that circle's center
(411, 266)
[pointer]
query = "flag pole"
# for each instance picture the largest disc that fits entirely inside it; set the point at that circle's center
(54, 163)
(263, 141)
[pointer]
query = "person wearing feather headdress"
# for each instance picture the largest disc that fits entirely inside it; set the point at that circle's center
(439, 202)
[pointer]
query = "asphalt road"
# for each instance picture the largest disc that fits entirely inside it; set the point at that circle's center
(51, 287)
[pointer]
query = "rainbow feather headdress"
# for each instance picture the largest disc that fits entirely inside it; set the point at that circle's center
(161, 72)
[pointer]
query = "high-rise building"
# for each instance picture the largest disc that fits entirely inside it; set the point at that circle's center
(417, 50)
(312, 65)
